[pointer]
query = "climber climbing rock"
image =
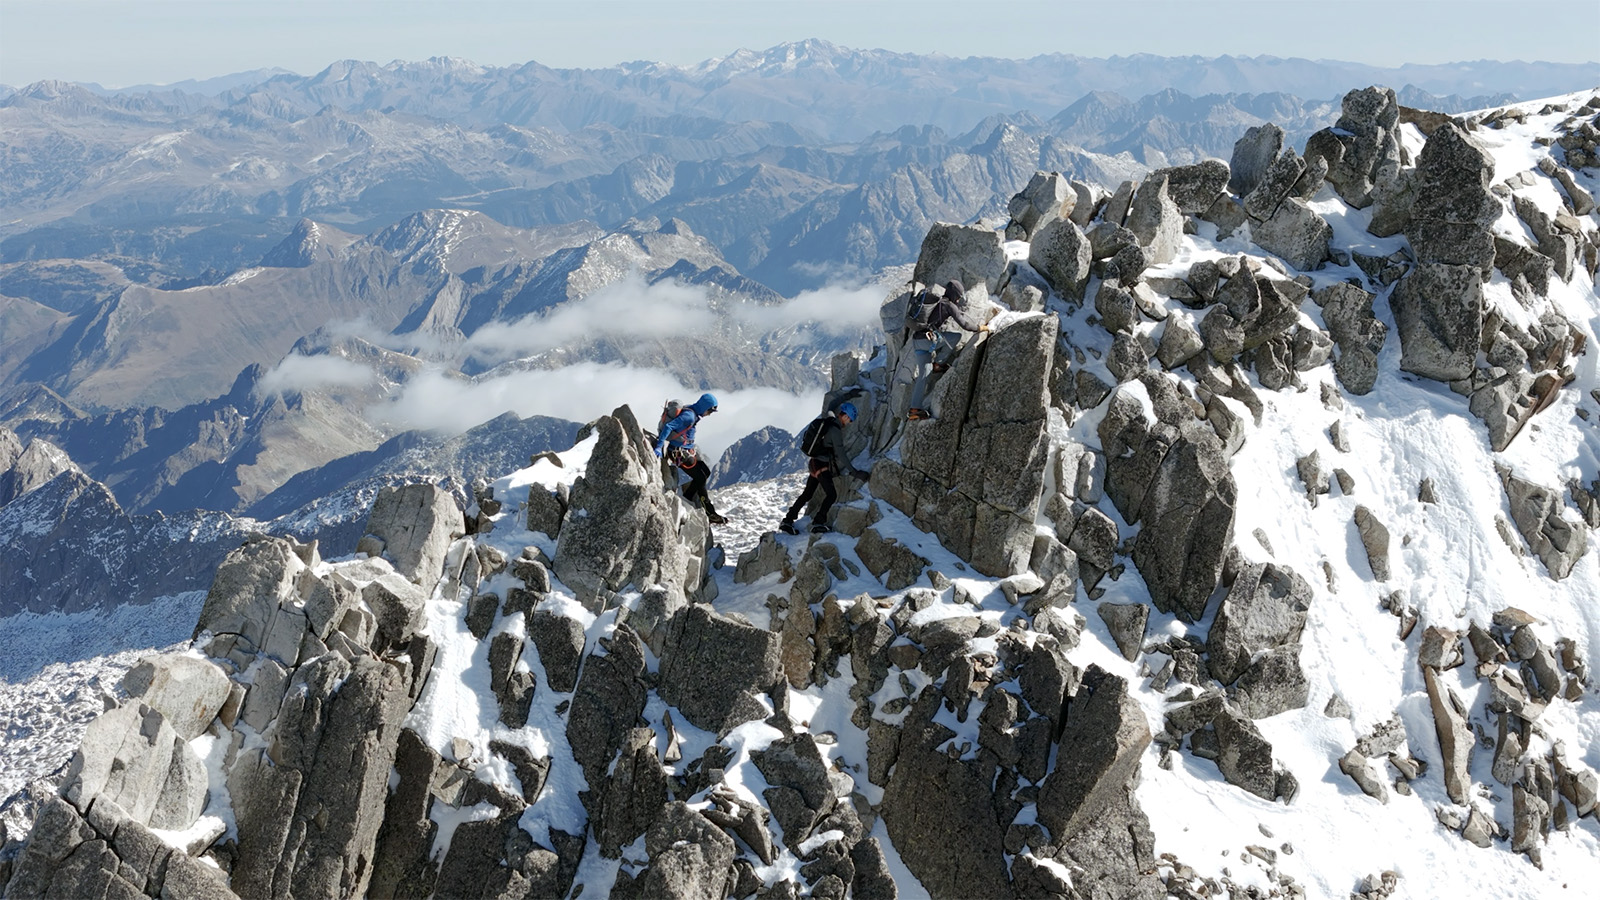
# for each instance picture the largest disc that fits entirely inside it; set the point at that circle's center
(675, 444)
(932, 347)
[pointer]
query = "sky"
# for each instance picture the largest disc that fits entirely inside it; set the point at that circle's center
(119, 44)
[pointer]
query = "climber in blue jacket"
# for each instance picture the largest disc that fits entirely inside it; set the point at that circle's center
(675, 443)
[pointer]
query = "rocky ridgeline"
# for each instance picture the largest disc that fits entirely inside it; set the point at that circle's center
(292, 717)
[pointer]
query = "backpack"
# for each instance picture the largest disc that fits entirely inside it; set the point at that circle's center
(670, 411)
(683, 457)
(814, 440)
(899, 311)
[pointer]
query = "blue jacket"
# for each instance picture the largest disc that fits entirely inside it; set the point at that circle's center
(686, 422)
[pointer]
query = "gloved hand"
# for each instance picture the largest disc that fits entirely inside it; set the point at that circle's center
(658, 452)
(861, 474)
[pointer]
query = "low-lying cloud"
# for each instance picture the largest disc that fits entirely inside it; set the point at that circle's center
(584, 392)
(311, 373)
(630, 308)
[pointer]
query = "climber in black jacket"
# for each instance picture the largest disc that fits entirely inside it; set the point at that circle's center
(931, 347)
(827, 457)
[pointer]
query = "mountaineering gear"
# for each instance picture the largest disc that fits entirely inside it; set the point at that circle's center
(716, 518)
(897, 313)
(849, 409)
(813, 441)
(915, 414)
(677, 431)
(787, 527)
(821, 528)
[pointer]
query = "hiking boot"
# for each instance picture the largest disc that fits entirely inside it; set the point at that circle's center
(821, 528)
(716, 518)
(914, 414)
(788, 528)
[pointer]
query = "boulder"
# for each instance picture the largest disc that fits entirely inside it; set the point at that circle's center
(1541, 516)
(1455, 736)
(970, 254)
(1272, 684)
(1362, 146)
(1355, 765)
(608, 700)
(1047, 197)
(1375, 540)
(248, 587)
(545, 511)
(1090, 200)
(1103, 738)
(1275, 186)
(416, 524)
(186, 690)
(1195, 187)
(1359, 334)
(1176, 480)
(1243, 756)
(1265, 607)
(690, 858)
(1296, 233)
(1439, 311)
(1180, 342)
(713, 668)
(1453, 207)
(125, 758)
(559, 640)
(934, 803)
(1253, 154)
(632, 795)
(1156, 221)
(800, 793)
(1060, 251)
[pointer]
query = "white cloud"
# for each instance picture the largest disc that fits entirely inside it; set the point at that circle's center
(627, 307)
(309, 373)
(584, 392)
(834, 309)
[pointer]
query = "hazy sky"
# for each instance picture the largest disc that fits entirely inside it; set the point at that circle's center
(162, 41)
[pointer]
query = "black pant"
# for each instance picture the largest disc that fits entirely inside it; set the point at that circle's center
(696, 490)
(819, 473)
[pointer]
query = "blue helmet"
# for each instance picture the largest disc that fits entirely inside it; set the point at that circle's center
(848, 409)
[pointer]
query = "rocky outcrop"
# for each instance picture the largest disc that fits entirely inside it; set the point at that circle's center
(412, 526)
(1453, 207)
(969, 254)
(1048, 197)
(1172, 474)
(1438, 310)
(973, 474)
(621, 528)
(1362, 150)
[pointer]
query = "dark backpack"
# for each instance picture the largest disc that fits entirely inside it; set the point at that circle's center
(814, 440)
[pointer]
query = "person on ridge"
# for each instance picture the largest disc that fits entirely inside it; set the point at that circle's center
(823, 443)
(932, 348)
(675, 443)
